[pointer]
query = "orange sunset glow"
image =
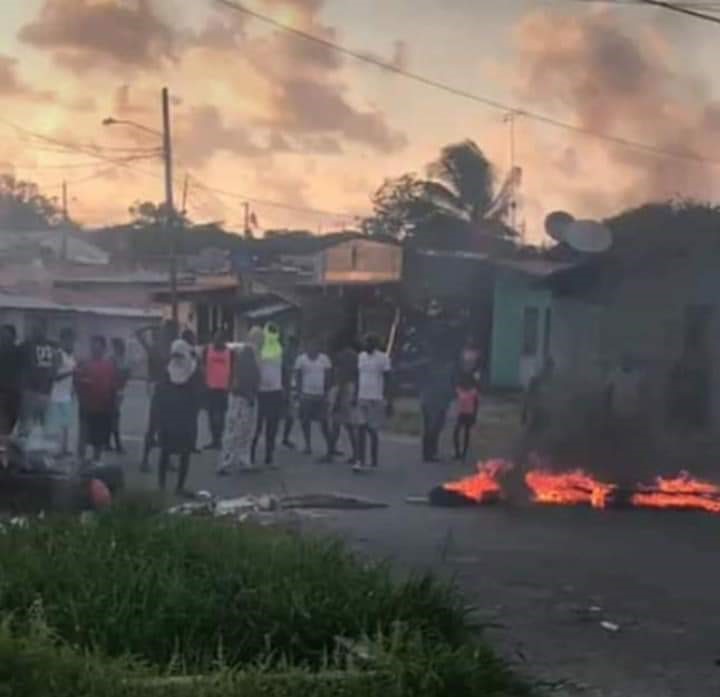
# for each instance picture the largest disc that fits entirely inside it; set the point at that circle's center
(305, 133)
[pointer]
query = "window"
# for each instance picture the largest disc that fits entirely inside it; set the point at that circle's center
(531, 331)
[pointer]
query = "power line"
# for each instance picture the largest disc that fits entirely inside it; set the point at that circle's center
(458, 92)
(682, 10)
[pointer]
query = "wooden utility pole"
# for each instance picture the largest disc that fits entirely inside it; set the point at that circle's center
(247, 231)
(170, 220)
(66, 223)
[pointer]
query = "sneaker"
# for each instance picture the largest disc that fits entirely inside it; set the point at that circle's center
(360, 468)
(223, 472)
(289, 445)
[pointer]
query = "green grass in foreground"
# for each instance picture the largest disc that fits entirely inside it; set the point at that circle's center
(186, 596)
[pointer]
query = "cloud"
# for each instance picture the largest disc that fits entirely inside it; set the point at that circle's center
(11, 85)
(202, 133)
(610, 77)
(96, 34)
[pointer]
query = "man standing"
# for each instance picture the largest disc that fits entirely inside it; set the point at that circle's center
(341, 407)
(157, 347)
(290, 354)
(270, 392)
(122, 370)
(60, 413)
(313, 375)
(9, 380)
(217, 368)
(39, 365)
(96, 382)
(372, 399)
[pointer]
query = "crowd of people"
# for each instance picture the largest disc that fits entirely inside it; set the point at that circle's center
(44, 386)
(255, 391)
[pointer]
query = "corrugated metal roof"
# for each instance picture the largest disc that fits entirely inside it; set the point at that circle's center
(26, 302)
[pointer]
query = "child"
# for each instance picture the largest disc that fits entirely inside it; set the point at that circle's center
(468, 396)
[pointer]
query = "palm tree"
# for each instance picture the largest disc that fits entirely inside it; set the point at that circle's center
(455, 205)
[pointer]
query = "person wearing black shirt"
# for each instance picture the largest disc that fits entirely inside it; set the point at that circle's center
(9, 380)
(39, 361)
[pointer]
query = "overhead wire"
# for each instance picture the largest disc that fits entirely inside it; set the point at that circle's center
(466, 94)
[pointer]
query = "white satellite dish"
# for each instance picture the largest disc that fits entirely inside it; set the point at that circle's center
(556, 224)
(588, 236)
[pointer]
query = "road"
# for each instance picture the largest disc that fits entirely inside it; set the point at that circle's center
(548, 577)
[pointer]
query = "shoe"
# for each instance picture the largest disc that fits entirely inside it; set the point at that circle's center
(352, 460)
(307, 451)
(360, 468)
(430, 460)
(224, 472)
(337, 453)
(212, 446)
(327, 460)
(289, 445)
(184, 494)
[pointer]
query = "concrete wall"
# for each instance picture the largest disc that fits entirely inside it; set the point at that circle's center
(510, 366)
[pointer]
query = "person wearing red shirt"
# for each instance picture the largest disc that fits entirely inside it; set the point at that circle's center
(96, 384)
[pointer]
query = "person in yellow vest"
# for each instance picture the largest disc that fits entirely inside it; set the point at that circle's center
(217, 363)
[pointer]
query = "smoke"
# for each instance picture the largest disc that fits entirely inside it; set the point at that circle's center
(612, 76)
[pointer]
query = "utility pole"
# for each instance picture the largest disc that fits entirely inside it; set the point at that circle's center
(186, 184)
(66, 222)
(170, 221)
(510, 120)
(247, 230)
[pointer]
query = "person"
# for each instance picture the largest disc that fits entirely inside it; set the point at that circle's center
(60, 411)
(39, 365)
(536, 412)
(122, 368)
(241, 415)
(9, 380)
(467, 393)
(341, 400)
(372, 399)
(290, 354)
(158, 353)
(96, 384)
(312, 369)
(436, 393)
(178, 401)
(217, 363)
(270, 392)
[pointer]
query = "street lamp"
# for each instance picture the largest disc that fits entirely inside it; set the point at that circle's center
(169, 204)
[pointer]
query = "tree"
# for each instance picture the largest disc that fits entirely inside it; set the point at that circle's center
(456, 205)
(23, 207)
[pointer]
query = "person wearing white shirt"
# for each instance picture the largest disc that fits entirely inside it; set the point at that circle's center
(60, 411)
(373, 382)
(313, 378)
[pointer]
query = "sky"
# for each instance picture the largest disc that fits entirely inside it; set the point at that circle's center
(305, 134)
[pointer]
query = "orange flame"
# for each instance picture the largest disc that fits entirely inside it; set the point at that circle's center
(568, 488)
(681, 492)
(483, 486)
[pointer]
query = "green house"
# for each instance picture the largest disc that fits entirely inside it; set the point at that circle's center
(522, 320)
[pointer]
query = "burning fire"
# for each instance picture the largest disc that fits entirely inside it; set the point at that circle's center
(568, 488)
(683, 492)
(483, 486)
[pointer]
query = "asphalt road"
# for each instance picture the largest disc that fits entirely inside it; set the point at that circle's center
(548, 577)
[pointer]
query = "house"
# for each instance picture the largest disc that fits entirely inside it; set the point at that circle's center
(87, 320)
(522, 320)
(639, 324)
(345, 284)
(50, 246)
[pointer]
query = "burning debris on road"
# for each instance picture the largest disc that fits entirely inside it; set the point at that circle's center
(577, 488)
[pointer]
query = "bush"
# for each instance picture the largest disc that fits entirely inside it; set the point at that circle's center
(196, 592)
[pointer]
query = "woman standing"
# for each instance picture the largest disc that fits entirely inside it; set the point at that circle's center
(241, 413)
(177, 401)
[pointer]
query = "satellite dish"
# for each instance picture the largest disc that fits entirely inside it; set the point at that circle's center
(588, 236)
(557, 223)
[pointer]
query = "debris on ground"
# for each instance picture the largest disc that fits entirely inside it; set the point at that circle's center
(610, 626)
(266, 507)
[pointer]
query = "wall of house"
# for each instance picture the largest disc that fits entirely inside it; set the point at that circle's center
(522, 329)
(643, 316)
(363, 261)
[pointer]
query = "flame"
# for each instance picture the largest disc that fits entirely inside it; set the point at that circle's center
(568, 488)
(484, 485)
(681, 492)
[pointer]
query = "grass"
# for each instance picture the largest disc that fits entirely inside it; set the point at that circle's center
(184, 596)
